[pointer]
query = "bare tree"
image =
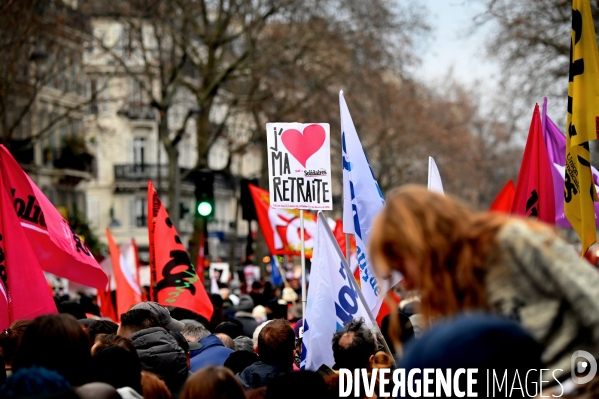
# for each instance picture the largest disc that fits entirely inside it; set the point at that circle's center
(41, 49)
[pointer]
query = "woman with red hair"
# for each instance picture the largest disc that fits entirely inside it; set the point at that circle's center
(462, 260)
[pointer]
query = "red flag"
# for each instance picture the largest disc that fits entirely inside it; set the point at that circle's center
(58, 249)
(505, 199)
(24, 292)
(534, 190)
(174, 280)
(280, 227)
(391, 302)
(105, 303)
(127, 289)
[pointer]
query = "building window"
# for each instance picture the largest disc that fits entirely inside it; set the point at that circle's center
(139, 212)
(140, 151)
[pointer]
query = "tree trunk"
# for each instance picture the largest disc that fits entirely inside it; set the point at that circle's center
(174, 189)
(232, 260)
(174, 173)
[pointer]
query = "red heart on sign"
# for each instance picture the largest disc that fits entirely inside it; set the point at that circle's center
(303, 146)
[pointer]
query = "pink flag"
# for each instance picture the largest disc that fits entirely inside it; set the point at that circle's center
(58, 249)
(534, 189)
(24, 292)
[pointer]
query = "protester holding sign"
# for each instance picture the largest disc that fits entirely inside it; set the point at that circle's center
(459, 259)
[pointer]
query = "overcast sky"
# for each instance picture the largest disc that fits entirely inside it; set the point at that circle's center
(450, 46)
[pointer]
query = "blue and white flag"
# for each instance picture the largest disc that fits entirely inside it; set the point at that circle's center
(434, 178)
(333, 300)
(275, 274)
(363, 200)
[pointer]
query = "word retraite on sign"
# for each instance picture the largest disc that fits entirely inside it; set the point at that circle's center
(299, 165)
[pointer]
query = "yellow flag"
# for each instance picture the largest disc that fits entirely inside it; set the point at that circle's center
(582, 124)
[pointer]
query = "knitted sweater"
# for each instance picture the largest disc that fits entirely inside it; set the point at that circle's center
(540, 281)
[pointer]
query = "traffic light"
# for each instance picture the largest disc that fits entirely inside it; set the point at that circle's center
(204, 192)
(204, 208)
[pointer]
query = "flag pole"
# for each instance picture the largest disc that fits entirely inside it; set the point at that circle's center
(347, 247)
(303, 263)
(351, 278)
(280, 268)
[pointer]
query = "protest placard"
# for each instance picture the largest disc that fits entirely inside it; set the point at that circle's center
(299, 165)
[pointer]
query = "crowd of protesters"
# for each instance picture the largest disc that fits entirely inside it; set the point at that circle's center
(480, 290)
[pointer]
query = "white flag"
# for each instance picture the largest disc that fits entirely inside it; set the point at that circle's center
(362, 192)
(333, 300)
(434, 178)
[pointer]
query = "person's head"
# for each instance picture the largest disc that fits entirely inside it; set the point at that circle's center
(118, 367)
(190, 322)
(194, 333)
(163, 315)
(256, 287)
(107, 340)
(240, 360)
(136, 320)
(476, 341)
(227, 341)
(10, 339)
(153, 387)
(187, 346)
(232, 328)
(56, 342)
(381, 360)
(246, 304)
(276, 343)
(101, 327)
(243, 343)
(353, 346)
(97, 390)
(438, 244)
(213, 382)
(257, 333)
(37, 382)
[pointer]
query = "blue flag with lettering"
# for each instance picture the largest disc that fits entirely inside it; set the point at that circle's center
(363, 200)
(332, 300)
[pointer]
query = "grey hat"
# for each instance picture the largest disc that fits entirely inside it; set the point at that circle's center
(164, 316)
(243, 343)
(246, 303)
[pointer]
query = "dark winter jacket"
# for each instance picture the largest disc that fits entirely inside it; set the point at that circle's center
(212, 353)
(160, 354)
(259, 374)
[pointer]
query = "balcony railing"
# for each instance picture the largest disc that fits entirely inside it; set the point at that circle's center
(143, 172)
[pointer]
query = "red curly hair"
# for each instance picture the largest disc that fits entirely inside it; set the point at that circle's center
(449, 244)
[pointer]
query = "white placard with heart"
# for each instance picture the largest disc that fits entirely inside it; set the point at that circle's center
(299, 165)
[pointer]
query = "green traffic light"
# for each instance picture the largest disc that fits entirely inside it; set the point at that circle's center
(204, 208)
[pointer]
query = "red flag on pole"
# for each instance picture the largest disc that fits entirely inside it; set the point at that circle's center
(24, 292)
(534, 194)
(280, 227)
(127, 289)
(105, 303)
(58, 249)
(505, 199)
(174, 280)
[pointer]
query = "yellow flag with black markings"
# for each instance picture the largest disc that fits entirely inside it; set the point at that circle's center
(582, 124)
